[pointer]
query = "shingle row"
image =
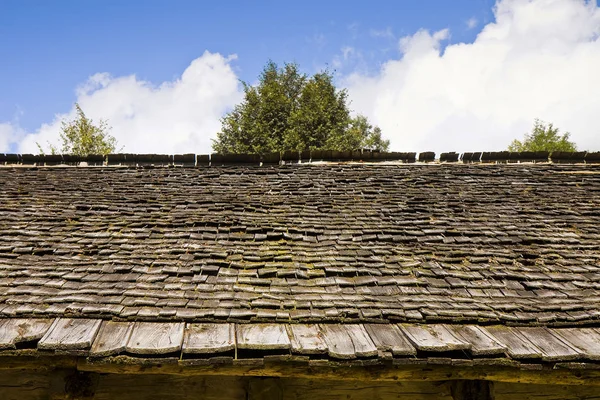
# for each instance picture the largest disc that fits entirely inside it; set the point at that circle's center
(96, 338)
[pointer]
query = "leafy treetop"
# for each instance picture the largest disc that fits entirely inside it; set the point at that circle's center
(289, 110)
(543, 138)
(82, 137)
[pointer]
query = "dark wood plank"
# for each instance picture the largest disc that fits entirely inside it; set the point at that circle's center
(547, 391)
(156, 338)
(112, 338)
(209, 338)
(390, 338)
(263, 388)
(586, 340)
(26, 385)
(333, 389)
(262, 336)
(553, 349)
(517, 346)
(70, 334)
(567, 373)
(433, 337)
(472, 390)
(170, 387)
(306, 339)
(338, 341)
(19, 330)
(181, 387)
(481, 343)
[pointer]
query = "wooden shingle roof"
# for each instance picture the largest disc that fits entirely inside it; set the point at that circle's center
(360, 261)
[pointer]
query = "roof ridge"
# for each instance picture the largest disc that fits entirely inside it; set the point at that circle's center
(291, 157)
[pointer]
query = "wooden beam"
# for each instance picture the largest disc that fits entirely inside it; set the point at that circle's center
(35, 362)
(313, 370)
(472, 390)
(338, 371)
(81, 385)
(264, 389)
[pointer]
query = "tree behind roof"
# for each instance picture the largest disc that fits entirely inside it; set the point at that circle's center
(321, 117)
(82, 137)
(288, 110)
(367, 136)
(543, 138)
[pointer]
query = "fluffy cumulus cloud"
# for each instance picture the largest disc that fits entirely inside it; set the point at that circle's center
(538, 59)
(179, 116)
(10, 134)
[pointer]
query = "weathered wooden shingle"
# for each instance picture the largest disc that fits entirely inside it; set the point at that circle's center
(338, 341)
(155, 338)
(481, 343)
(434, 337)
(112, 338)
(18, 330)
(388, 337)
(586, 340)
(262, 337)
(209, 338)
(552, 347)
(517, 346)
(306, 339)
(70, 334)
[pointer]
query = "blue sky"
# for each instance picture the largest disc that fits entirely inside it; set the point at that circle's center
(458, 75)
(49, 47)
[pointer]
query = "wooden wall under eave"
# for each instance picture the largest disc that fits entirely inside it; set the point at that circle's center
(304, 389)
(522, 391)
(28, 385)
(31, 385)
(25, 385)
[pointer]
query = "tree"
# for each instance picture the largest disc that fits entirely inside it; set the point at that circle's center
(321, 118)
(289, 110)
(368, 136)
(260, 123)
(82, 137)
(543, 138)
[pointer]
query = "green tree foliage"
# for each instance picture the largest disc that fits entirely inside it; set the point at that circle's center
(260, 123)
(543, 138)
(366, 135)
(321, 118)
(82, 137)
(289, 110)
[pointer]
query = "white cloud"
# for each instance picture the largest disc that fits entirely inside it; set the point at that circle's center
(10, 134)
(179, 116)
(538, 59)
(471, 23)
